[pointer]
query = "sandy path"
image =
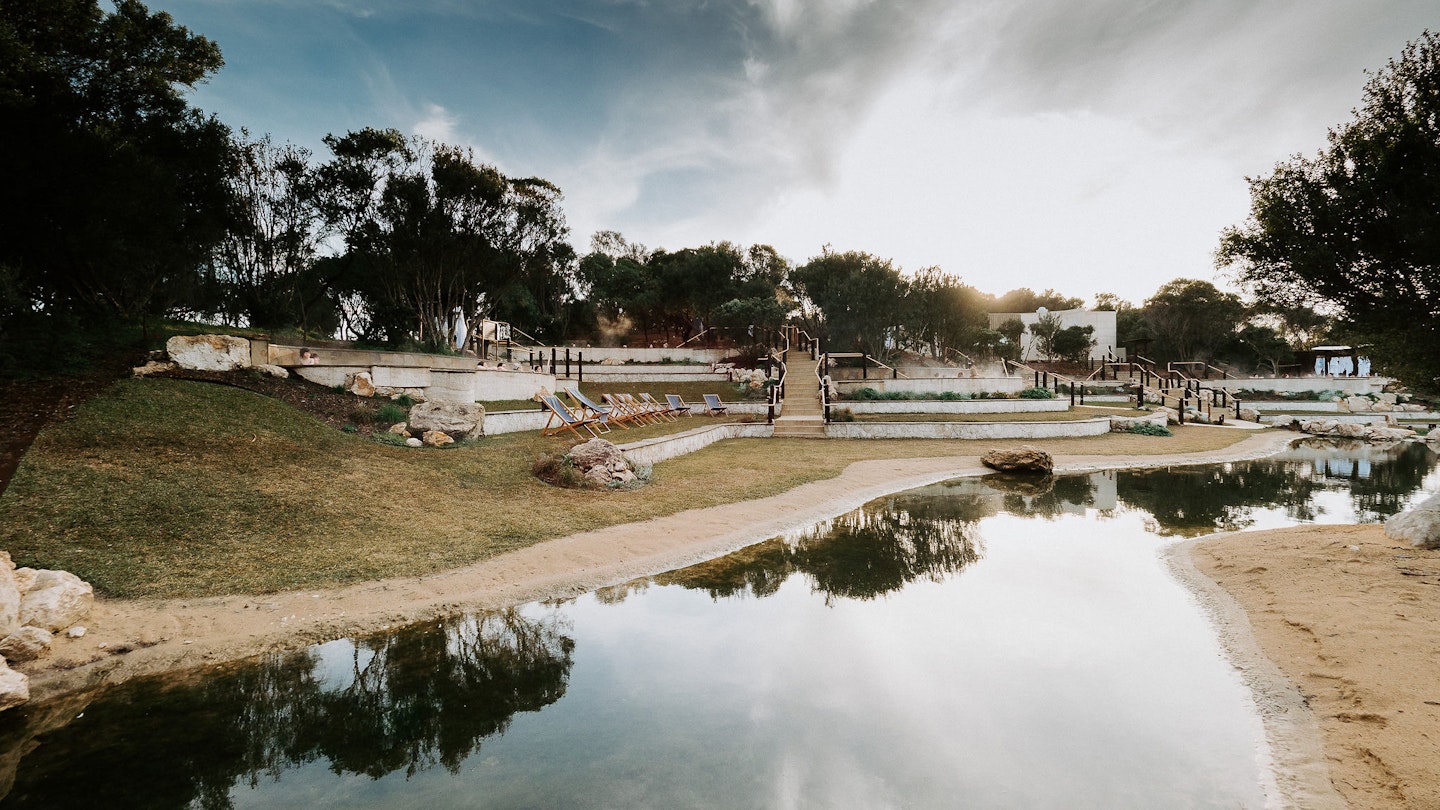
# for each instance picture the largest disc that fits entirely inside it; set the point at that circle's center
(1352, 620)
(133, 637)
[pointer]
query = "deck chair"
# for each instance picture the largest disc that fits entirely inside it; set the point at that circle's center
(568, 421)
(649, 409)
(627, 411)
(588, 409)
(713, 405)
(677, 405)
(659, 407)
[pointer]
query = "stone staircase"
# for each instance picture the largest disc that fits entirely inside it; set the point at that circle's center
(802, 415)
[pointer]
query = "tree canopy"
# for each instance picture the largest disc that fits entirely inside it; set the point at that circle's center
(1355, 229)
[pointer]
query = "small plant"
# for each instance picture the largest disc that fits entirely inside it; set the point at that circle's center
(389, 414)
(349, 428)
(842, 415)
(361, 414)
(864, 394)
(557, 469)
(391, 438)
(1037, 393)
(1150, 429)
(404, 400)
(339, 389)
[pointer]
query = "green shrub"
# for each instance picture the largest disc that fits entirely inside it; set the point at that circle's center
(1037, 393)
(404, 400)
(391, 438)
(842, 415)
(349, 428)
(1150, 429)
(864, 394)
(390, 413)
(361, 414)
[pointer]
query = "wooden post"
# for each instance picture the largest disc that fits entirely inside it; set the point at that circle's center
(567, 361)
(1072, 393)
(579, 367)
(552, 360)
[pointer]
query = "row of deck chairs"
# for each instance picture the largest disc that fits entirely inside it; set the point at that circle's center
(621, 410)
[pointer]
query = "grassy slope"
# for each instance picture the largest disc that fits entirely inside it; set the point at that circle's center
(167, 488)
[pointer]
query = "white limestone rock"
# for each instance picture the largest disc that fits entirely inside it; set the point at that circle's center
(58, 600)
(9, 596)
(14, 687)
(209, 352)
(360, 384)
(436, 438)
(153, 367)
(26, 644)
(1420, 527)
(413, 442)
(465, 420)
(273, 371)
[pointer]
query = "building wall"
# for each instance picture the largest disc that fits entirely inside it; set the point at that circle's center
(1104, 323)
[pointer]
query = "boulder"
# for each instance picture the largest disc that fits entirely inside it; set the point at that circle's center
(399, 429)
(601, 462)
(1249, 415)
(1420, 527)
(1352, 430)
(14, 687)
(436, 438)
(26, 644)
(1387, 434)
(1382, 407)
(24, 580)
(1389, 398)
(1122, 424)
(273, 371)
(58, 600)
(1172, 416)
(209, 352)
(360, 384)
(153, 367)
(463, 420)
(1023, 459)
(413, 442)
(9, 596)
(1357, 403)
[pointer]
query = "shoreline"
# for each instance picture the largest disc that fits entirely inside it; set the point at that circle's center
(131, 638)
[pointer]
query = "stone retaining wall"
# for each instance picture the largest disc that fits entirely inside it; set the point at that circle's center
(955, 406)
(967, 430)
(654, 451)
(937, 385)
(1345, 385)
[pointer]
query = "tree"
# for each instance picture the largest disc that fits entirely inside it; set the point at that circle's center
(114, 191)
(1073, 343)
(1025, 299)
(857, 296)
(1191, 320)
(941, 312)
(1355, 229)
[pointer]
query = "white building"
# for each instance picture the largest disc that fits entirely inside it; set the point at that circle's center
(1103, 322)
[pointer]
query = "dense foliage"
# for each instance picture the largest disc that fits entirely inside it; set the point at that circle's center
(1355, 229)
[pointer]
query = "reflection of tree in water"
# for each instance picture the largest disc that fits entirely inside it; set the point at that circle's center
(1194, 500)
(869, 552)
(1190, 501)
(1393, 475)
(423, 696)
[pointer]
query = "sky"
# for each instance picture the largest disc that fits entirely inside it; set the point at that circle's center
(1085, 146)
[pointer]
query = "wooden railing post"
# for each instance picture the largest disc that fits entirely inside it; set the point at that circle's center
(579, 367)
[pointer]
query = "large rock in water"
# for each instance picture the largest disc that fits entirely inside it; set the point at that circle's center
(209, 352)
(1420, 527)
(1023, 459)
(58, 600)
(463, 420)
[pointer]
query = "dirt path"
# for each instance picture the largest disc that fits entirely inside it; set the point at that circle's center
(129, 638)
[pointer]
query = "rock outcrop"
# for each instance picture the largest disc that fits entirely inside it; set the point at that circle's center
(209, 352)
(33, 606)
(1023, 459)
(58, 600)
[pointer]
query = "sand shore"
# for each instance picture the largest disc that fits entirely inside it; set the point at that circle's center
(1351, 621)
(1353, 629)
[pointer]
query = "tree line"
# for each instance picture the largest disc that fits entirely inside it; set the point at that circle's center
(126, 204)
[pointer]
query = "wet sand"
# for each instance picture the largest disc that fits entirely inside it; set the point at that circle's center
(1351, 621)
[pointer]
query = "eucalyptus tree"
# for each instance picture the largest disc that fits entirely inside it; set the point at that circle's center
(857, 297)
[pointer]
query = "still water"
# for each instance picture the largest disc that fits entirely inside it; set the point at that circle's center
(984, 643)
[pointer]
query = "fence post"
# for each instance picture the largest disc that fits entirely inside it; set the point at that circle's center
(579, 367)
(1237, 407)
(1037, 379)
(567, 361)
(552, 360)
(1184, 397)
(1072, 393)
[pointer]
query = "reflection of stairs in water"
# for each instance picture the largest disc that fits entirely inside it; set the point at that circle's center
(802, 415)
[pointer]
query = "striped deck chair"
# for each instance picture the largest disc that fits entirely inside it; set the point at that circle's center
(585, 407)
(713, 405)
(627, 411)
(659, 407)
(677, 405)
(650, 409)
(568, 421)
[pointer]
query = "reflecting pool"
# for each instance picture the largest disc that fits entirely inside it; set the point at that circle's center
(989, 643)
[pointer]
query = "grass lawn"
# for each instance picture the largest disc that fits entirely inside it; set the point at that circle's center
(171, 488)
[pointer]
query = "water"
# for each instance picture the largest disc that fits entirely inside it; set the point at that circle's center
(982, 643)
